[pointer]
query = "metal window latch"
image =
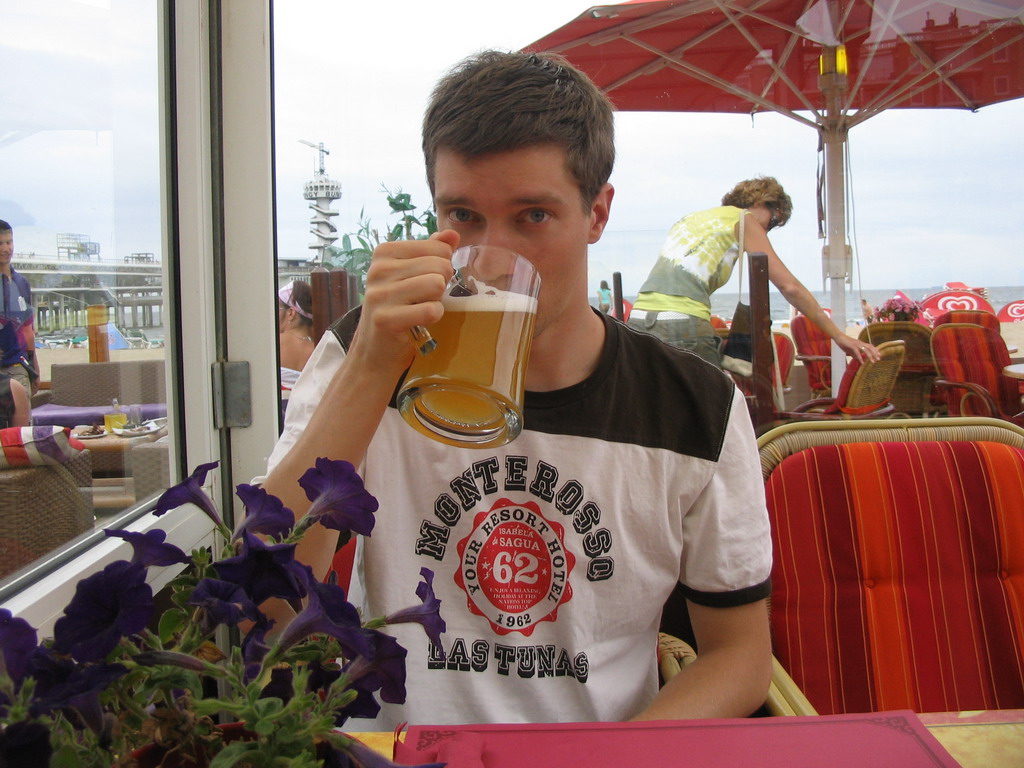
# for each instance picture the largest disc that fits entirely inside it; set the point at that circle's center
(232, 394)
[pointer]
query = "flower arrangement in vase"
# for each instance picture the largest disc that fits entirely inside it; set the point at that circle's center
(897, 309)
(115, 677)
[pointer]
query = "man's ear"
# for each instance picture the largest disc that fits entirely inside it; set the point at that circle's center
(600, 208)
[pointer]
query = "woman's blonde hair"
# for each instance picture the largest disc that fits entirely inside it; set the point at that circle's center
(765, 190)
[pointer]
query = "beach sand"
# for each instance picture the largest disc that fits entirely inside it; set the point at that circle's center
(47, 357)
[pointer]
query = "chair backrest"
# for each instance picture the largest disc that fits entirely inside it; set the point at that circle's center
(95, 384)
(866, 388)
(893, 580)
(814, 342)
(916, 337)
(976, 316)
(785, 354)
(975, 354)
(912, 393)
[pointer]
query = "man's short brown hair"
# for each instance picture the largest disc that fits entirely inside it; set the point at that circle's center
(499, 102)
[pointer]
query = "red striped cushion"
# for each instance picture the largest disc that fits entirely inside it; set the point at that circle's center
(810, 340)
(899, 575)
(36, 446)
(975, 354)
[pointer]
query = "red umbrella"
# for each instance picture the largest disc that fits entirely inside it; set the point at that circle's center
(829, 64)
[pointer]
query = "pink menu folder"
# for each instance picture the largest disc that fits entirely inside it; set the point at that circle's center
(879, 740)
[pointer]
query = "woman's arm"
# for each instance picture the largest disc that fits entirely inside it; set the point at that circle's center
(22, 407)
(797, 294)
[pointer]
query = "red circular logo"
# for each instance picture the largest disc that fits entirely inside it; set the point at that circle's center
(514, 567)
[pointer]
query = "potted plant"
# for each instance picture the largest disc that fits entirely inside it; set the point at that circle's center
(117, 684)
(898, 308)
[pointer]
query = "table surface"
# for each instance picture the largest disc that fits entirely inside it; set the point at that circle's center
(982, 739)
(1016, 370)
(111, 443)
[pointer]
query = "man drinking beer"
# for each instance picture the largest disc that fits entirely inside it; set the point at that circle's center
(636, 468)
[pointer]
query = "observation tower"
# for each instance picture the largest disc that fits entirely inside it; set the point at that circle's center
(321, 192)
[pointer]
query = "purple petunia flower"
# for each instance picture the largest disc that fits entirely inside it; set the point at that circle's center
(150, 548)
(280, 685)
(383, 669)
(114, 603)
(18, 641)
(428, 614)
(264, 571)
(223, 602)
(190, 491)
(340, 501)
(254, 646)
(328, 612)
(25, 745)
(265, 513)
(63, 684)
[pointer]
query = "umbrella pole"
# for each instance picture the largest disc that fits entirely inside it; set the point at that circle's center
(836, 260)
(832, 81)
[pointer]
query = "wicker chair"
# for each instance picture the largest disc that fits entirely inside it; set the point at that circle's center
(891, 542)
(912, 393)
(42, 508)
(970, 360)
(814, 350)
(151, 471)
(864, 392)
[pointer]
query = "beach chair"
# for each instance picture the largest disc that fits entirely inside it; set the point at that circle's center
(976, 316)
(912, 393)
(891, 587)
(814, 350)
(970, 360)
(865, 391)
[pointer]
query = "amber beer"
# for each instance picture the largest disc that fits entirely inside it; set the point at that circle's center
(469, 390)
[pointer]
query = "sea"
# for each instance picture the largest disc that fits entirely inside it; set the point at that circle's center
(723, 304)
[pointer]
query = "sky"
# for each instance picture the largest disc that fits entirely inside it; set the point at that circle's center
(936, 194)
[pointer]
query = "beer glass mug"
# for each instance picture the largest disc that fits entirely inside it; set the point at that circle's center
(468, 389)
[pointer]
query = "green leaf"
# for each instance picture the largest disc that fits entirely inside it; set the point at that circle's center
(170, 623)
(237, 753)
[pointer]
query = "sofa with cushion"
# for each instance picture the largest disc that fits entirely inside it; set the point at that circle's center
(44, 498)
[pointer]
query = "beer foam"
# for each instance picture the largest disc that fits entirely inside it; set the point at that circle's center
(492, 300)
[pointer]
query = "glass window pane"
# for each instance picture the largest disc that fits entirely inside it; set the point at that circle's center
(80, 158)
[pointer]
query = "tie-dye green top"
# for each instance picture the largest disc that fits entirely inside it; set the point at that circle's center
(695, 261)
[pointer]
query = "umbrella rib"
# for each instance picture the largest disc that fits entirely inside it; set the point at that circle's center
(771, 61)
(920, 83)
(725, 85)
(888, 23)
(679, 50)
(624, 28)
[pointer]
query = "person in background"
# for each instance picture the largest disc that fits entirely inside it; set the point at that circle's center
(17, 330)
(553, 556)
(698, 257)
(867, 310)
(604, 297)
(15, 408)
(295, 329)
